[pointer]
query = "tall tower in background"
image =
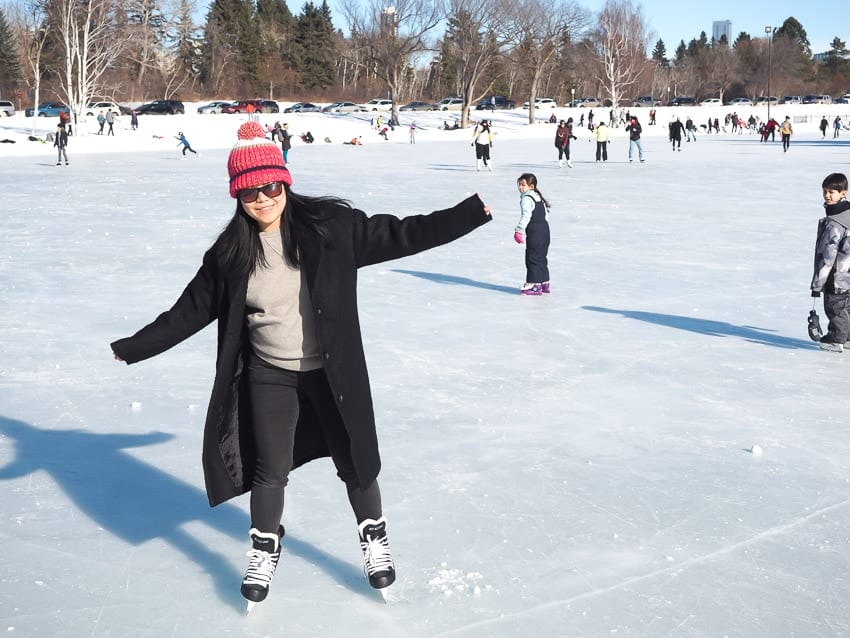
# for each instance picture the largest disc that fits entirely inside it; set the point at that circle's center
(719, 28)
(389, 21)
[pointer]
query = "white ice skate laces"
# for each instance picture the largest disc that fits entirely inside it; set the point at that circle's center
(376, 548)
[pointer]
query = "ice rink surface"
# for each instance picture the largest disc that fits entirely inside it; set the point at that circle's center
(573, 465)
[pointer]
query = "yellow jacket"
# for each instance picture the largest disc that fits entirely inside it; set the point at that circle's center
(602, 133)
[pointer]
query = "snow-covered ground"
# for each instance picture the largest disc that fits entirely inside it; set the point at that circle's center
(572, 465)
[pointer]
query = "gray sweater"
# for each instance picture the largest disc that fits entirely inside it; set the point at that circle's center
(281, 325)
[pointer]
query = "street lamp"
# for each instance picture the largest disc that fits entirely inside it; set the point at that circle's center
(769, 31)
(572, 97)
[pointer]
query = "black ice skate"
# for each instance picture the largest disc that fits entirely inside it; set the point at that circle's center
(264, 554)
(815, 332)
(377, 561)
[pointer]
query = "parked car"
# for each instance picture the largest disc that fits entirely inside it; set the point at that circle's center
(817, 99)
(765, 99)
(740, 101)
(712, 101)
(378, 104)
(449, 104)
(682, 100)
(303, 107)
(48, 109)
(343, 107)
(844, 99)
(213, 107)
(93, 108)
(646, 100)
(7, 108)
(495, 102)
(542, 103)
(269, 106)
(160, 107)
(791, 99)
(241, 106)
(417, 106)
(588, 102)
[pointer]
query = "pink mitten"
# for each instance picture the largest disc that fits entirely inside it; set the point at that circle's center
(518, 237)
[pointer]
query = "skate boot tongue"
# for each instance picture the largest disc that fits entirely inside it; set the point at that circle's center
(374, 531)
(265, 542)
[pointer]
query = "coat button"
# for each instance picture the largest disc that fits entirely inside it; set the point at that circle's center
(318, 311)
(327, 356)
(339, 398)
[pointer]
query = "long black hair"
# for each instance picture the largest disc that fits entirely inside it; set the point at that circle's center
(239, 248)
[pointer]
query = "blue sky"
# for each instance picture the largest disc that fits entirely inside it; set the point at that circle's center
(674, 23)
(820, 18)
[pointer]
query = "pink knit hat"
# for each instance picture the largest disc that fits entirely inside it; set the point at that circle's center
(254, 160)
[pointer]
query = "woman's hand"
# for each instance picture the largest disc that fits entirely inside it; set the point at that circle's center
(116, 357)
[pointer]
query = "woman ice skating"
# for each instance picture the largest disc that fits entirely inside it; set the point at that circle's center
(533, 231)
(785, 131)
(602, 135)
(291, 383)
(563, 135)
(482, 139)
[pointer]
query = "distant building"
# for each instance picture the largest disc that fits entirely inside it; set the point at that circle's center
(719, 28)
(389, 21)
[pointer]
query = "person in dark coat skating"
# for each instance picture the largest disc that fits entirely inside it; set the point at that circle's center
(60, 143)
(291, 383)
(676, 128)
(563, 135)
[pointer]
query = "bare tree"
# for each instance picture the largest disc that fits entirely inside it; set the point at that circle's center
(87, 35)
(721, 69)
(474, 31)
(621, 41)
(537, 30)
(387, 38)
(30, 20)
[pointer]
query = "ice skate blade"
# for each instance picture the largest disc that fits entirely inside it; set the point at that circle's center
(385, 594)
(250, 606)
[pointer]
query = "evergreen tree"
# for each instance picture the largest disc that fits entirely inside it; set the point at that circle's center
(836, 64)
(659, 54)
(315, 50)
(10, 65)
(743, 38)
(795, 32)
(232, 47)
(681, 52)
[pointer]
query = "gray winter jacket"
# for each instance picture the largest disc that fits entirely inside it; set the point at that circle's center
(832, 253)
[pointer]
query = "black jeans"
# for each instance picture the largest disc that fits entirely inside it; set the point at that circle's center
(277, 397)
(602, 151)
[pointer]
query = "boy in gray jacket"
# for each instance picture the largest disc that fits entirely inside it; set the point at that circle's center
(832, 262)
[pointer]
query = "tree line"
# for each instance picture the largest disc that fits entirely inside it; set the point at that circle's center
(135, 50)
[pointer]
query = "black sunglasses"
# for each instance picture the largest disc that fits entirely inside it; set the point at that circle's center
(248, 195)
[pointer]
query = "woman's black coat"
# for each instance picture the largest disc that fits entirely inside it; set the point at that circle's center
(354, 240)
